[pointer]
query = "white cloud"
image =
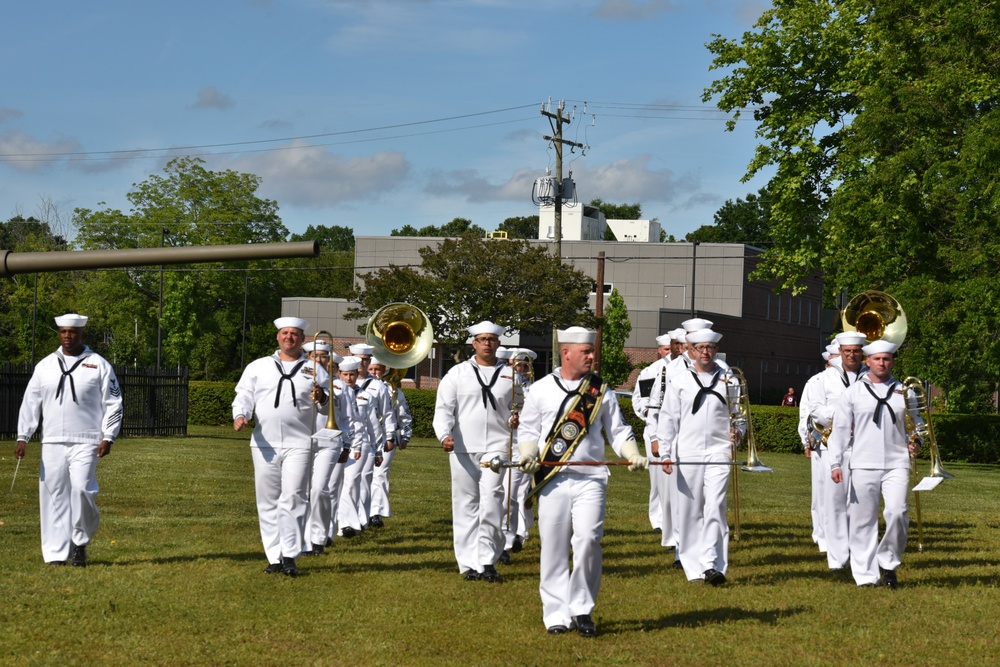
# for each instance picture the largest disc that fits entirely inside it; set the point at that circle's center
(211, 98)
(24, 153)
(312, 177)
(469, 184)
(633, 10)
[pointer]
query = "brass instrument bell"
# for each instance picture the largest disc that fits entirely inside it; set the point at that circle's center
(401, 335)
(876, 315)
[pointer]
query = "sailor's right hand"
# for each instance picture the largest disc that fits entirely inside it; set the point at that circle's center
(528, 456)
(448, 443)
(239, 423)
(20, 449)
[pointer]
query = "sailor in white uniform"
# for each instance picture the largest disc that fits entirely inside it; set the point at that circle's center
(75, 394)
(380, 507)
(515, 482)
(472, 420)
(815, 450)
(566, 411)
(351, 507)
(283, 390)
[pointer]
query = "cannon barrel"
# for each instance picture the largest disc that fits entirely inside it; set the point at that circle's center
(47, 262)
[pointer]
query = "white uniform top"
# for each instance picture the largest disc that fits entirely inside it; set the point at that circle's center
(877, 446)
(465, 410)
(812, 396)
(291, 424)
(647, 408)
(353, 434)
(833, 382)
(87, 409)
(375, 404)
(689, 431)
(542, 409)
(404, 420)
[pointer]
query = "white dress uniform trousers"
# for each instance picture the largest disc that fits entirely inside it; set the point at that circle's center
(380, 478)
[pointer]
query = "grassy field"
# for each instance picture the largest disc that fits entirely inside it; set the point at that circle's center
(175, 578)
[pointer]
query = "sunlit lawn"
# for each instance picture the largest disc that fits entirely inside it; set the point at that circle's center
(175, 578)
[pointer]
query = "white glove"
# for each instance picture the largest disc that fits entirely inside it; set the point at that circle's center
(630, 451)
(528, 452)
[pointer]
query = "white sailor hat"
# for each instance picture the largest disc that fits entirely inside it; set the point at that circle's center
(679, 335)
(826, 356)
(703, 336)
(879, 346)
(72, 320)
(833, 348)
(485, 327)
(576, 335)
(664, 339)
(349, 364)
(851, 338)
(335, 358)
(317, 346)
(375, 361)
(522, 352)
(504, 353)
(361, 348)
(294, 322)
(696, 324)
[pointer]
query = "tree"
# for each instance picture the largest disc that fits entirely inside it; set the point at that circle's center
(743, 221)
(457, 227)
(463, 281)
(203, 305)
(331, 275)
(524, 227)
(617, 211)
(882, 122)
(615, 330)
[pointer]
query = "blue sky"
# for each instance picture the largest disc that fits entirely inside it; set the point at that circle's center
(370, 114)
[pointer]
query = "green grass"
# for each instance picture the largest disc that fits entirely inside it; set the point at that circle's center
(175, 578)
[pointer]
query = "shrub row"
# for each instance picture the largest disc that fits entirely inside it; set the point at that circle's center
(965, 438)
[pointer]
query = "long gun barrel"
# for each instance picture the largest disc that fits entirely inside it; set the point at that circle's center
(14, 263)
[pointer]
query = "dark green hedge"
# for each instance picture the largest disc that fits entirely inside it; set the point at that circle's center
(964, 438)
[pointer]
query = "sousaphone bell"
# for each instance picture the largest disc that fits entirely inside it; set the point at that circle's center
(401, 335)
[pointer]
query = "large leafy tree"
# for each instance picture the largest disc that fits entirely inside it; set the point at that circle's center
(457, 227)
(203, 304)
(881, 120)
(521, 227)
(331, 275)
(743, 221)
(463, 281)
(615, 330)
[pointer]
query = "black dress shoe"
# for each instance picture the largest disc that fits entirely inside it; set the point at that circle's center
(348, 532)
(677, 565)
(658, 531)
(79, 555)
(288, 567)
(376, 522)
(558, 630)
(329, 542)
(317, 550)
(585, 626)
(714, 577)
(889, 579)
(518, 545)
(272, 568)
(56, 562)
(471, 575)
(505, 558)
(491, 575)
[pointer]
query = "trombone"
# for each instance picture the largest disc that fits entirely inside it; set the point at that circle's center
(331, 431)
(739, 419)
(914, 388)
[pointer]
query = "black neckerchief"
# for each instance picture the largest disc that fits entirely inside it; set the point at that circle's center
(844, 378)
(291, 383)
(364, 386)
(704, 391)
(67, 374)
(487, 394)
(882, 402)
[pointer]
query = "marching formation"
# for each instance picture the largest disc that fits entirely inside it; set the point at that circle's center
(327, 429)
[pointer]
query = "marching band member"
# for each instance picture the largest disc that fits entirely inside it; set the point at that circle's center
(350, 507)
(646, 399)
(382, 431)
(812, 396)
(516, 483)
(329, 454)
(472, 420)
(525, 514)
(695, 427)
(843, 373)
(873, 409)
(75, 394)
(566, 412)
(380, 508)
(282, 389)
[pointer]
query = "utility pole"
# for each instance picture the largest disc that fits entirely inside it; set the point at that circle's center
(556, 120)
(599, 312)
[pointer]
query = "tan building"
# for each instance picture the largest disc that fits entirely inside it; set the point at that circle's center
(776, 338)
